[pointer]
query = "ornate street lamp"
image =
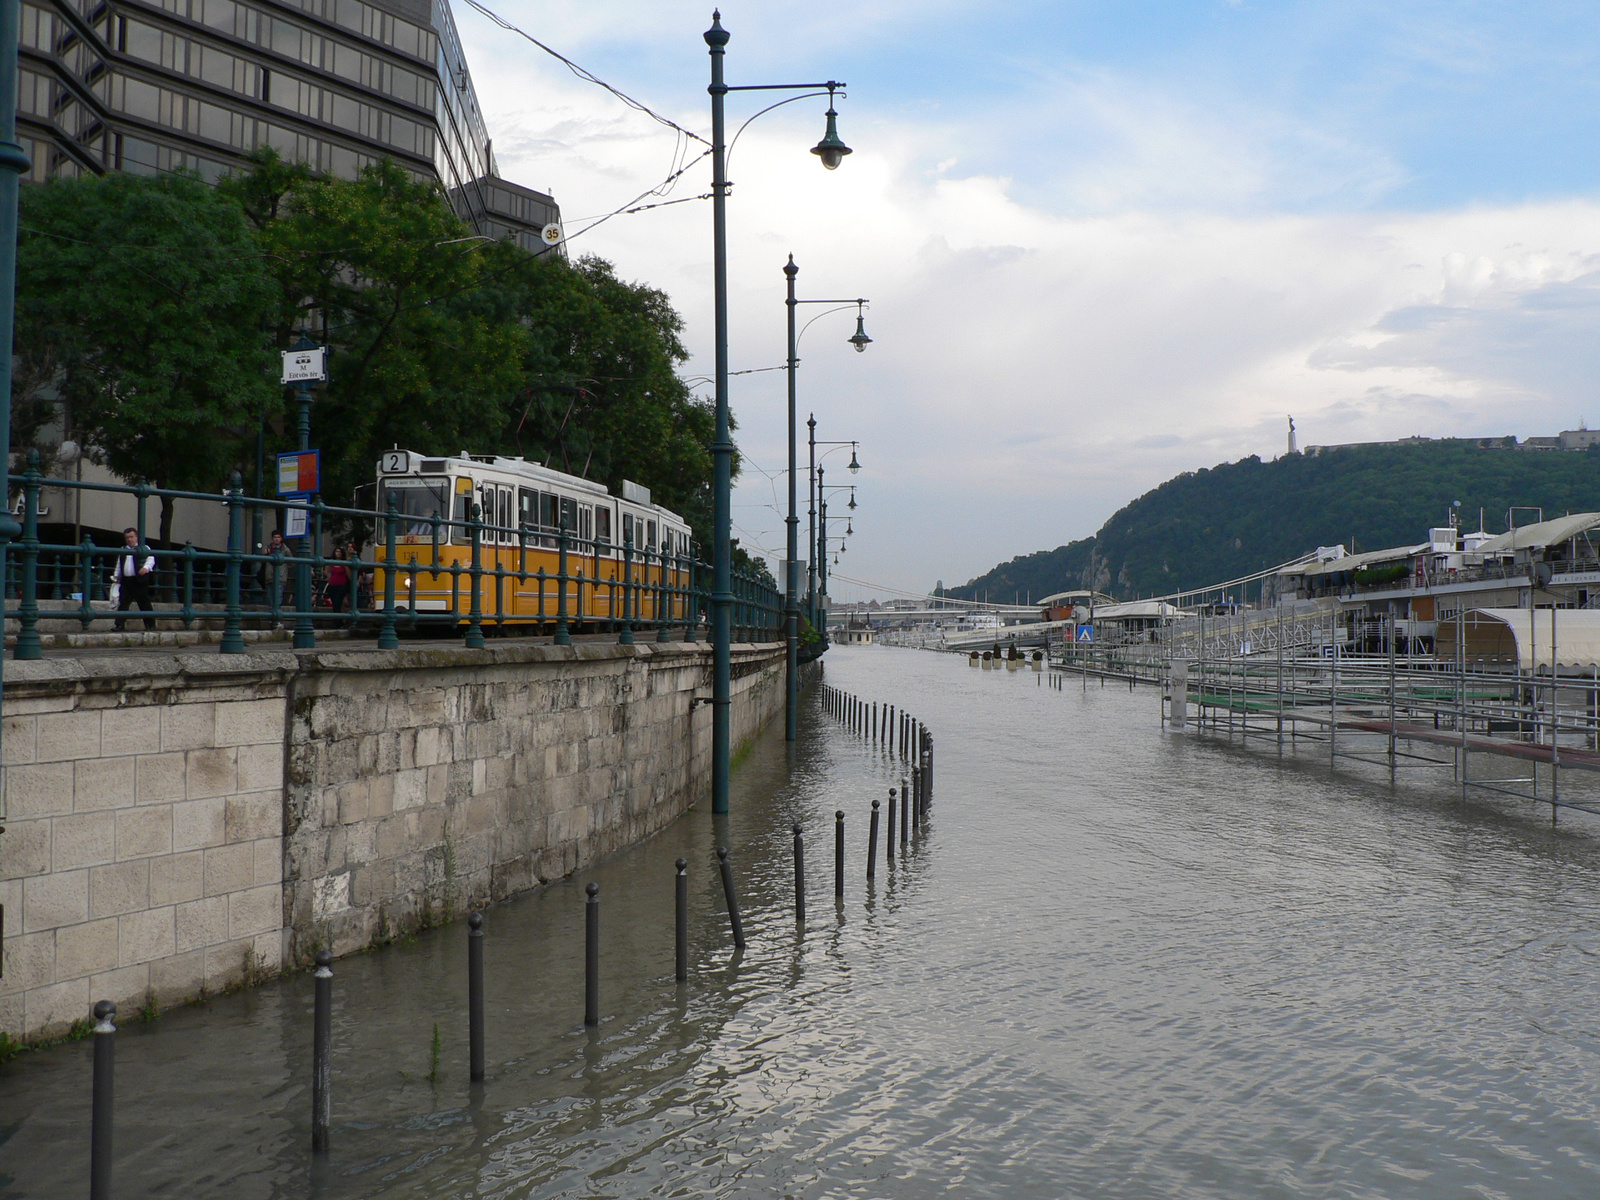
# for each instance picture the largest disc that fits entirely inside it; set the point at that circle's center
(831, 150)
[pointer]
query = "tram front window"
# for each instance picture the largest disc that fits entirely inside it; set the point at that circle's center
(418, 502)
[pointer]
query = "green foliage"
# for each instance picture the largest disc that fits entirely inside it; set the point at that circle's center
(144, 304)
(1205, 527)
(1375, 575)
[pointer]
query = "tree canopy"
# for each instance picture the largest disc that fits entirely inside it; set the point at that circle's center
(155, 306)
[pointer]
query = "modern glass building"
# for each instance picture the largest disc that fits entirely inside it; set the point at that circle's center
(158, 85)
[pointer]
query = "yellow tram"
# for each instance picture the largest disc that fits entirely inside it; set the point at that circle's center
(627, 558)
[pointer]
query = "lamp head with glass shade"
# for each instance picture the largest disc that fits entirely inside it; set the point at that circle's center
(852, 503)
(855, 466)
(859, 339)
(831, 150)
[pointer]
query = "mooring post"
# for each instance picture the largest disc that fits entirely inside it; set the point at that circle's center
(731, 897)
(799, 876)
(838, 854)
(872, 843)
(591, 955)
(322, 1054)
(682, 888)
(888, 844)
(105, 1061)
(905, 822)
(475, 995)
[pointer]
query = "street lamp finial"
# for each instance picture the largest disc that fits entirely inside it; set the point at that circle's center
(716, 36)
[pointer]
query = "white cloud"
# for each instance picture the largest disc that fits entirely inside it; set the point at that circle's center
(1035, 367)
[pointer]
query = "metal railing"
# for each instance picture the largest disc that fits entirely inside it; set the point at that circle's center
(446, 575)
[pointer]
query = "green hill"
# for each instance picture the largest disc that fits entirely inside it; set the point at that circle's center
(1204, 527)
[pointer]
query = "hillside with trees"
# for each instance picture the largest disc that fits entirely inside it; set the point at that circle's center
(1207, 526)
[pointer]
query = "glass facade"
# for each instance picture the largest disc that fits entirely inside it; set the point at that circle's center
(158, 85)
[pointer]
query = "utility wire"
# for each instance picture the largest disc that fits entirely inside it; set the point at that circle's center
(587, 76)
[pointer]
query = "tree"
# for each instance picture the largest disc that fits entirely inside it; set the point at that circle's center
(144, 304)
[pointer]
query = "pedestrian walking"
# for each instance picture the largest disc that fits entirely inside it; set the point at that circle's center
(135, 575)
(339, 580)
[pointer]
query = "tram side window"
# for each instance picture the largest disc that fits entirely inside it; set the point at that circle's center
(547, 514)
(602, 525)
(586, 522)
(505, 516)
(462, 533)
(627, 529)
(569, 515)
(650, 534)
(527, 512)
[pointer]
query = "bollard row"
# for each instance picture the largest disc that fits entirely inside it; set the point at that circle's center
(883, 724)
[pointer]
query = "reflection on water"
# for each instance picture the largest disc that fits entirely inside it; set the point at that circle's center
(1119, 962)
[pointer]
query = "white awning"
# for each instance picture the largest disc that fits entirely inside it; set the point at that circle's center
(1528, 637)
(1545, 533)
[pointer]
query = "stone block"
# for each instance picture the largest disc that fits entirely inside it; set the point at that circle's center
(50, 1010)
(354, 801)
(380, 801)
(39, 790)
(212, 772)
(102, 783)
(267, 857)
(254, 816)
(570, 824)
(69, 735)
(121, 888)
(126, 987)
(50, 901)
(200, 923)
(30, 960)
(159, 778)
(13, 1014)
(130, 730)
(86, 840)
(199, 823)
(188, 726)
(144, 832)
(268, 949)
(174, 980)
(146, 936)
(229, 963)
(438, 783)
(250, 723)
(175, 878)
(256, 911)
(260, 767)
(86, 949)
(19, 740)
(25, 849)
(410, 789)
(10, 909)
(230, 868)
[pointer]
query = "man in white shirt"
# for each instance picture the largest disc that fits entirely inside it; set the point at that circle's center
(135, 574)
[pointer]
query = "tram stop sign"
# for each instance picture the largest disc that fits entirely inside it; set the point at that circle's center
(305, 366)
(299, 472)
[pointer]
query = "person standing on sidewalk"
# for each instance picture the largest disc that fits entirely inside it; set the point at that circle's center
(135, 575)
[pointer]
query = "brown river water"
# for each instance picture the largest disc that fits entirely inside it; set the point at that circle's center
(1119, 962)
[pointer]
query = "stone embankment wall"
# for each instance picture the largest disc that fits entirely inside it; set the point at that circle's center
(182, 823)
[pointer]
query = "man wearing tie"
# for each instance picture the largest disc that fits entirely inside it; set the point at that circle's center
(134, 578)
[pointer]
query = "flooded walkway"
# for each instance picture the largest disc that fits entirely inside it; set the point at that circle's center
(1120, 963)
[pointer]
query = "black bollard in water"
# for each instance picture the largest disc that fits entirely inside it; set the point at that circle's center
(905, 821)
(838, 854)
(731, 897)
(475, 995)
(872, 843)
(105, 1061)
(927, 777)
(874, 720)
(916, 784)
(799, 876)
(889, 841)
(683, 919)
(322, 1055)
(591, 955)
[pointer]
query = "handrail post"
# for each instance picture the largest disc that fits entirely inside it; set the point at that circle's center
(186, 610)
(28, 644)
(625, 637)
(86, 582)
(305, 633)
(233, 621)
(563, 634)
(474, 639)
(664, 602)
(388, 639)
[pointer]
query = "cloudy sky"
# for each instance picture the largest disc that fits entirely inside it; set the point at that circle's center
(1104, 241)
